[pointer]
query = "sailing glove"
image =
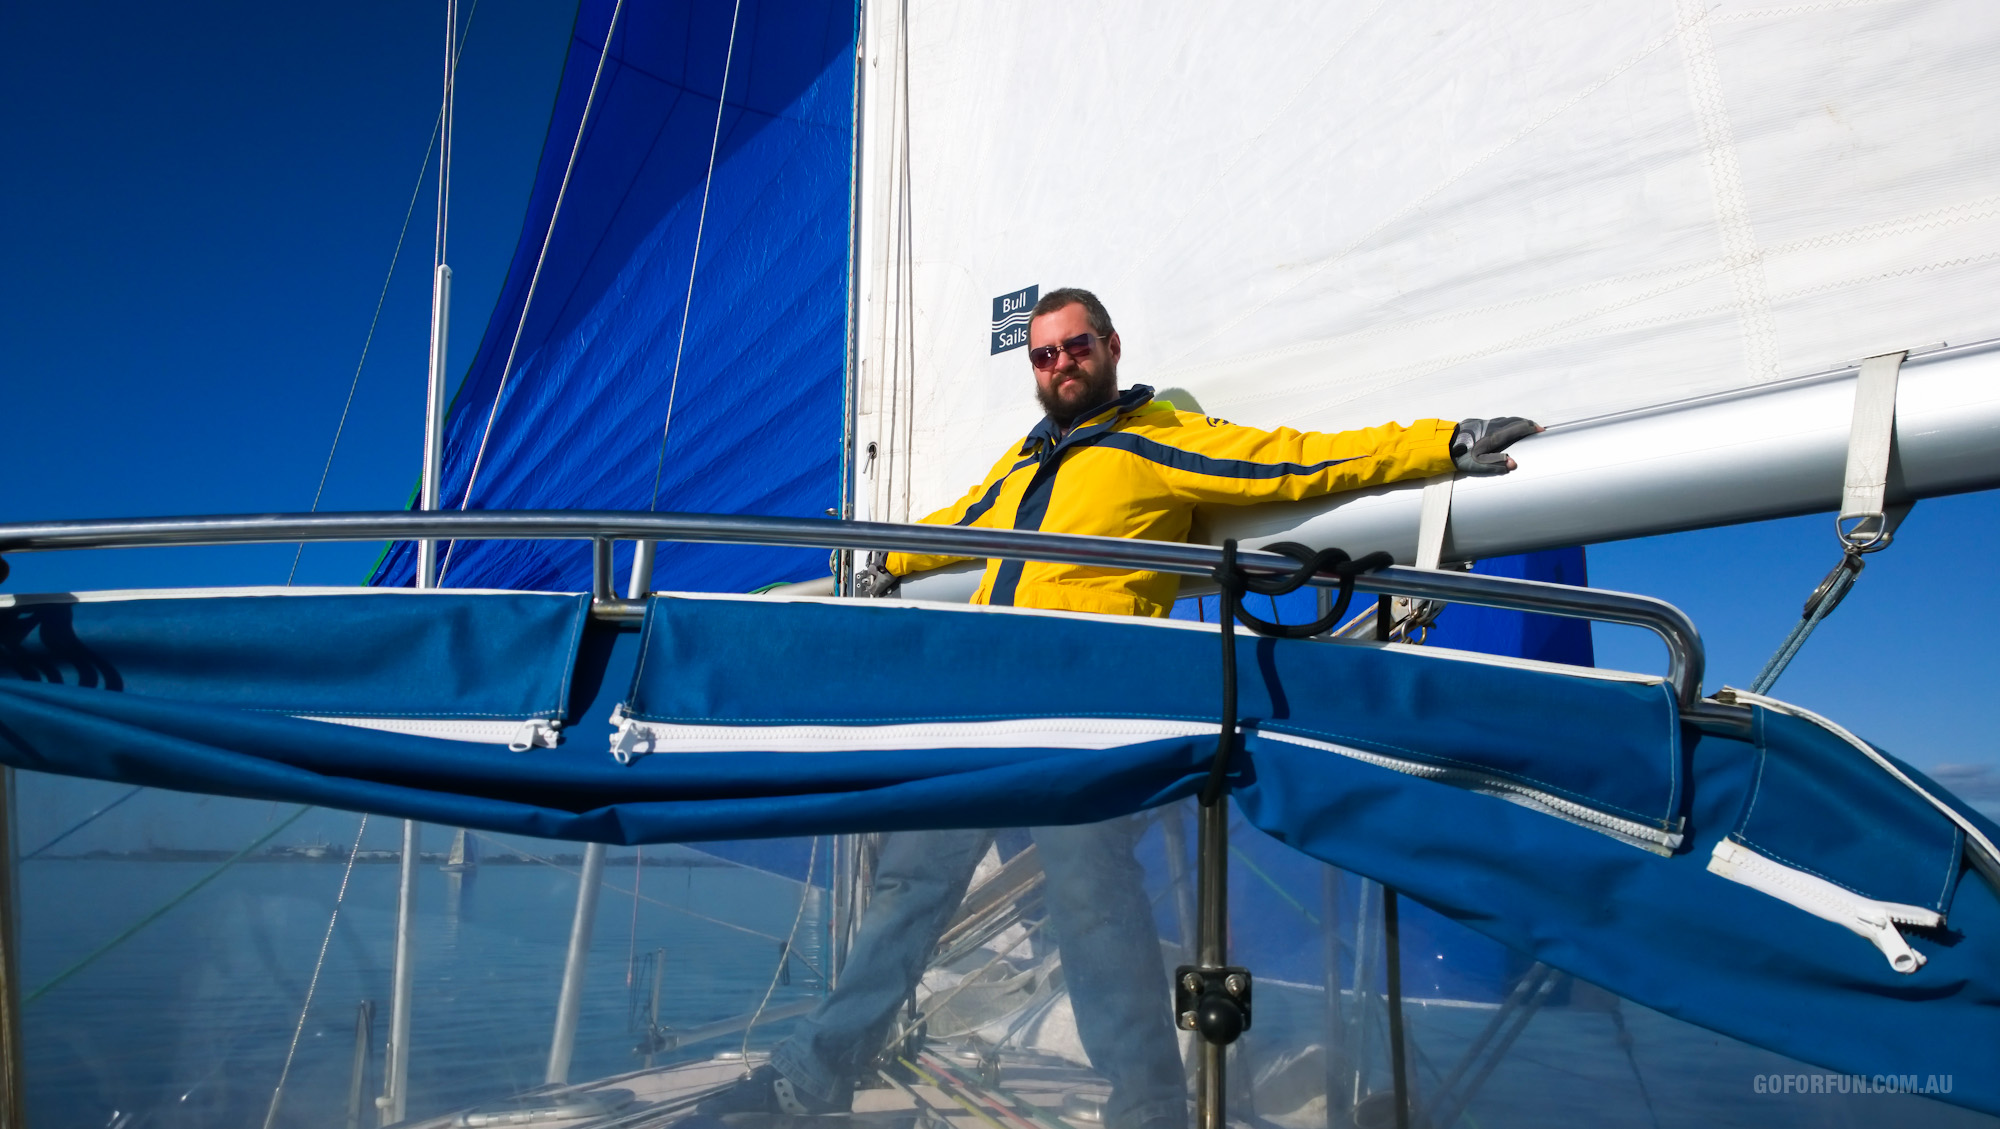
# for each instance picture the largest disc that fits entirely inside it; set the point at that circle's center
(1479, 446)
(876, 581)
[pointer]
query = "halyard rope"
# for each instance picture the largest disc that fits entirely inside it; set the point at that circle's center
(700, 224)
(534, 280)
(423, 170)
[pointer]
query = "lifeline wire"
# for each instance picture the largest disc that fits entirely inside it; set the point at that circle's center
(278, 1092)
(423, 170)
(805, 897)
(701, 222)
(535, 279)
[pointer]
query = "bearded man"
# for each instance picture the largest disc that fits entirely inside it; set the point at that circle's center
(1116, 464)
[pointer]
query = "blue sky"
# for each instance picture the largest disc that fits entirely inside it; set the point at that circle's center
(200, 209)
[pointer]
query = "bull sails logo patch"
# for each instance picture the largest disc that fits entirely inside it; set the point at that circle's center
(1010, 318)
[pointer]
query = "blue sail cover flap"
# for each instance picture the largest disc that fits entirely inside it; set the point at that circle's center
(357, 654)
(724, 672)
(1661, 929)
(1800, 812)
(1666, 931)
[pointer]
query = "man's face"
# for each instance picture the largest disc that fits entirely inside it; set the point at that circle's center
(1072, 386)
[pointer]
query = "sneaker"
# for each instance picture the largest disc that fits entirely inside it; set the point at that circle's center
(765, 1093)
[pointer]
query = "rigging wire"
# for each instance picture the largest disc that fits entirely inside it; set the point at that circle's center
(312, 985)
(697, 915)
(82, 823)
(150, 918)
(535, 279)
(806, 891)
(700, 223)
(423, 173)
(632, 944)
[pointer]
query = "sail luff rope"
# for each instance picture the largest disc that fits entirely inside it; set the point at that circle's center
(423, 173)
(312, 985)
(534, 280)
(785, 954)
(694, 261)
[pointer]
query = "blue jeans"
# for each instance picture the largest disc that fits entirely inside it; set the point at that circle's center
(1112, 966)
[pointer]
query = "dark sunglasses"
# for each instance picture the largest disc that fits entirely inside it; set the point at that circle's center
(1077, 347)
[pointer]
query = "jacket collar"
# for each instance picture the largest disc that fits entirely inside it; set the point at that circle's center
(1050, 437)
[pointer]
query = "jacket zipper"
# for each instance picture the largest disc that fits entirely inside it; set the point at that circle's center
(1874, 920)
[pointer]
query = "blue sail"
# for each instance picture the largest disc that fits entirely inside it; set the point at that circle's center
(608, 402)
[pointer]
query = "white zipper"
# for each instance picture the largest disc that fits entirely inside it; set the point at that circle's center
(1985, 856)
(1874, 920)
(634, 739)
(1641, 835)
(519, 736)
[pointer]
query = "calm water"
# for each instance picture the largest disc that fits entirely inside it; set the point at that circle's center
(186, 1023)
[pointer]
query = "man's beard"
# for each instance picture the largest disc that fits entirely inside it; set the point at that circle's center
(1096, 391)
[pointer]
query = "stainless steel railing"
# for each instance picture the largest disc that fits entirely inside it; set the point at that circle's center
(1685, 657)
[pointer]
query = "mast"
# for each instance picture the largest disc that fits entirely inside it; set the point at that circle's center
(394, 1100)
(434, 405)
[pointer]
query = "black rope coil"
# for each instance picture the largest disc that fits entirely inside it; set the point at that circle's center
(1234, 582)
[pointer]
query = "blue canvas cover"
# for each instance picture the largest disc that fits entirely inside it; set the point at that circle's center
(331, 653)
(1432, 773)
(756, 410)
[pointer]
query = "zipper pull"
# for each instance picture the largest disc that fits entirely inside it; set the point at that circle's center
(537, 733)
(1880, 928)
(630, 742)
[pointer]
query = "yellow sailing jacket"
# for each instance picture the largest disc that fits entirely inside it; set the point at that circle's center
(1139, 469)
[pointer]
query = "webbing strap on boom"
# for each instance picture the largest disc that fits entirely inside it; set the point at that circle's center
(1435, 521)
(1869, 440)
(1864, 502)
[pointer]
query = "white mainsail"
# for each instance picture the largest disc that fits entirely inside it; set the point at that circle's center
(1325, 216)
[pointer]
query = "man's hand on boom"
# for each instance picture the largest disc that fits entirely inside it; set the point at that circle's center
(1479, 445)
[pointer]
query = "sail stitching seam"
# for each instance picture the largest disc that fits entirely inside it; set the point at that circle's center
(1732, 208)
(1930, 220)
(1799, 10)
(1439, 188)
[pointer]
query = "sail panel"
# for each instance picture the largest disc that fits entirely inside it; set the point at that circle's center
(1329, 216)
(590, 414)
